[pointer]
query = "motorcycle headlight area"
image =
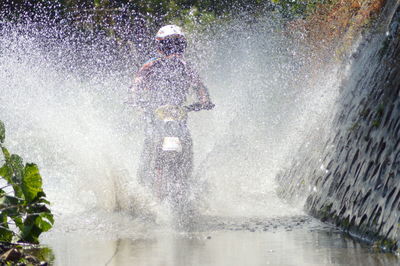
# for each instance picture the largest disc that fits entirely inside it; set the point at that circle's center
(172, 144)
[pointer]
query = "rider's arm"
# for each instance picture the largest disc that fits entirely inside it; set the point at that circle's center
(201, 90)
(139, 90)
(202, 95)
(135, 92)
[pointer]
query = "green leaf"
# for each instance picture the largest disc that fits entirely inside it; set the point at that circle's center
(12, 211)
(42, 200)
(6, 173)
(45, 254)
(40, 196)
(31, 183)
(10, 206)
(18, 171)
(8, 200)
(5, 233)
(2, 132)
(38, 208)
(17, 162)
(34, 225)
(3, 220)
(12, 171)
(30, 231)
(3, 170)
(18, 221)
(5, 153)
(44, 222)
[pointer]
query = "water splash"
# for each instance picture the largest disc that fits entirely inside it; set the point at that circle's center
(62, 102)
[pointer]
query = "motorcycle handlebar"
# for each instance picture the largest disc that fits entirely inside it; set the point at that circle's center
(198, 107)
(195, 107)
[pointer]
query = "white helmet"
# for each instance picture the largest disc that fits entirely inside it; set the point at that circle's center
(170, 31)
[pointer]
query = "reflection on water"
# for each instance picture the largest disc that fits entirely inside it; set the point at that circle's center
(310, 244)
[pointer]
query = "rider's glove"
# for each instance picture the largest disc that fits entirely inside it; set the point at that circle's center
(208, 105)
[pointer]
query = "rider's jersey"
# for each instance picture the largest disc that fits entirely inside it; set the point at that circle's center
(166, 80)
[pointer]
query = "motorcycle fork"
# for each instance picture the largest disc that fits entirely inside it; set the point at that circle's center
(166, 182)
(159, 186)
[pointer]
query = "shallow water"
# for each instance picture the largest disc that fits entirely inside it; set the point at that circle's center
(295, 240)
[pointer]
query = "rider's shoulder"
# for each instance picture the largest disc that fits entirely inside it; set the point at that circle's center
(152, 60)
(149, 63)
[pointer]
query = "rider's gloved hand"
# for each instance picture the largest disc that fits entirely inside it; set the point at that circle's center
(208, 106)
(199, 106)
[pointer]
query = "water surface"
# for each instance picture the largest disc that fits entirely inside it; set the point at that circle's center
(297, 240)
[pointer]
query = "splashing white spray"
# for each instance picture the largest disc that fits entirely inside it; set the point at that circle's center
(66, 113)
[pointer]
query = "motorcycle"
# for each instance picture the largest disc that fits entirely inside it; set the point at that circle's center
(168, 155)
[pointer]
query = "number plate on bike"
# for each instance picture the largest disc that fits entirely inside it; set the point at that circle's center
(172, 144)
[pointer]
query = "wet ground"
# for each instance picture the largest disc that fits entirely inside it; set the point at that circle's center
(296, 240)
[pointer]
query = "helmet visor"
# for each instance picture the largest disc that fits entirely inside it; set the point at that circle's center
(175, 45)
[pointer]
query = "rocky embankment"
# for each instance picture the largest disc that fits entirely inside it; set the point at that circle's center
(351, 176)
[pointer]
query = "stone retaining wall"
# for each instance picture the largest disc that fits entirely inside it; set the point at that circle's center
(351, 176)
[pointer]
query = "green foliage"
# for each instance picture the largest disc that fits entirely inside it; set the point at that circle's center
(162, 10)
(325, 212)
(24, 212)
(106, 14)
(2, 132)
(299, 7)
(378, 115)
(22, 254)
(192, 19)
(386, 245)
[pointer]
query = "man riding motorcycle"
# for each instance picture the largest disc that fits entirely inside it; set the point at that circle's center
(166, 81)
